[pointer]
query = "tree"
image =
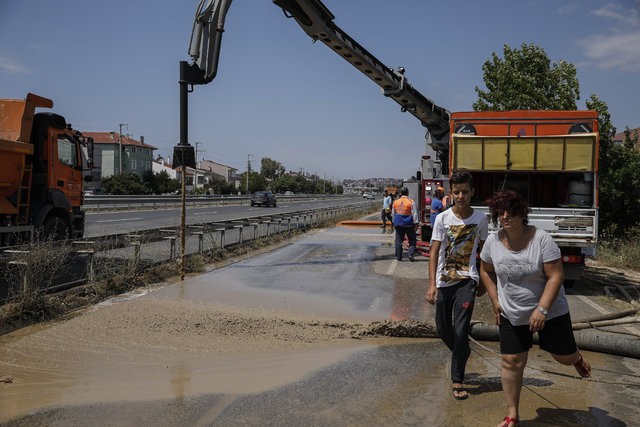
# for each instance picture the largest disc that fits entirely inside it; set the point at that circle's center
(218, 185)
(124, 183)
(270, 168)
(257, 182)
(619, 177)
(525, 79)
(160, 183)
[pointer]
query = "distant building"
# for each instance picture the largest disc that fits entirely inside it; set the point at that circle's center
(115, 153)
(228, 173)
(161, 165)
(618, 138)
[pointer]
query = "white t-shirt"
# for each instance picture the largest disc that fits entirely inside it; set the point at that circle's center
(459, 245)
(520, 276)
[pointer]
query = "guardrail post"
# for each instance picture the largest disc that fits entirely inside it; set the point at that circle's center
(255, 230)
(22, 282)
(21, 266)
(200, 234)
(221, 230)
(90, 262)
(240, 227)
(172, 247)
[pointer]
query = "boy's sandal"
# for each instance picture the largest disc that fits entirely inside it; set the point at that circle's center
(508, 420)
(583, 367)
(460, 393)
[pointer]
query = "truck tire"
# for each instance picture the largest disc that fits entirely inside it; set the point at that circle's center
(55, 229)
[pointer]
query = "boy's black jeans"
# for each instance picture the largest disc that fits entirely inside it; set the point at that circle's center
(454, 307)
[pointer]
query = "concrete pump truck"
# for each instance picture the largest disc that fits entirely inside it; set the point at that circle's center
(551, 157)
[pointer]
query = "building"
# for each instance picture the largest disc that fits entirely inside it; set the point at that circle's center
(225, 172)
(161, 165)
(618, 138)
(115, 153)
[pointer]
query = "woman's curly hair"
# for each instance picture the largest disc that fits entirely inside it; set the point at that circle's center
(508, 201)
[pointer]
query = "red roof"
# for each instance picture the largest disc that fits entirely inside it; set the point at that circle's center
(114, 138)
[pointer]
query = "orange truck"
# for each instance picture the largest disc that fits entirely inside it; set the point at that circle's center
(41, 178)
(550, 157)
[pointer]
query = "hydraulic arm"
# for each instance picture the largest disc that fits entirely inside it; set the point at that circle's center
(317, 21)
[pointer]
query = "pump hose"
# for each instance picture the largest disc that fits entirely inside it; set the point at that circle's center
(587, 339)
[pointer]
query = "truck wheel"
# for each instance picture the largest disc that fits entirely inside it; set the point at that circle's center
(55, 229)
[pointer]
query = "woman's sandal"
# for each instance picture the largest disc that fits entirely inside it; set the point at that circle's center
(508, 420)
(460, 393)
(583, 367)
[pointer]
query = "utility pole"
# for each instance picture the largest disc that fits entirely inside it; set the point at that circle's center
(120, 153)
(248, 171)
(196, 169)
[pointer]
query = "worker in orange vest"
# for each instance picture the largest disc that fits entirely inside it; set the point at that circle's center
(405, 221)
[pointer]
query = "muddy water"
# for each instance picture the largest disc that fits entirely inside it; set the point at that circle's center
(149, 348)
(284, 337)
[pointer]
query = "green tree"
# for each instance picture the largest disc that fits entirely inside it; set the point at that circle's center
(525, 79)
(218, 185)
(619, 176)
(124, 183)
(257, 182)
(270, 168)
(160, 183)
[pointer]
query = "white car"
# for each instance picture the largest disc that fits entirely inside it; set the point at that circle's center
(367, 195)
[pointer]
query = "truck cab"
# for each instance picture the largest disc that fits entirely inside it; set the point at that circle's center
(41, 182)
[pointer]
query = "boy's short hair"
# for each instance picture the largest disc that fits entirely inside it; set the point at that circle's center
(461, 177)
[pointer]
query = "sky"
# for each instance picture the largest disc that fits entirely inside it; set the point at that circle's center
(278, 95)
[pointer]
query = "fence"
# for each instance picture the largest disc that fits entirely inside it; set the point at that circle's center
(90, 257)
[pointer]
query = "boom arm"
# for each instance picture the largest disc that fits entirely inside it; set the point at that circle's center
(317, 21)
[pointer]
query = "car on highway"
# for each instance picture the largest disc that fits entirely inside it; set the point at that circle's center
(368, 196)
(263, 198)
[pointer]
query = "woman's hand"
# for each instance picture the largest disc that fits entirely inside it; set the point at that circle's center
(536, 320)
(497, 310)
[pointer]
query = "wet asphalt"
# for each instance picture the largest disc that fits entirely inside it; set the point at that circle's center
(351, 272)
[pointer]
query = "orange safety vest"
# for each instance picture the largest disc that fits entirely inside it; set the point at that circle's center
(403, 206)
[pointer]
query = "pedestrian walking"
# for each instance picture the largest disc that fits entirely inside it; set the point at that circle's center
(457, 236)
(386, 210)
(522, 273)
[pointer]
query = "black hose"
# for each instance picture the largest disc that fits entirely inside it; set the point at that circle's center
(590, 340)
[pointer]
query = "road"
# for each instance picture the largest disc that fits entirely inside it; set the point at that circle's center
(129, 221)
(281, 339)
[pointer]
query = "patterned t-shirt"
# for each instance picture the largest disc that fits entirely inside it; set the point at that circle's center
(459, 245)
(520, 276)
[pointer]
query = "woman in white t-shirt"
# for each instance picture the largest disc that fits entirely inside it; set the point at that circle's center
(522, 273)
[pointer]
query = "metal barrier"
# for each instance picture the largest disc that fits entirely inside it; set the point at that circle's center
(158, 246)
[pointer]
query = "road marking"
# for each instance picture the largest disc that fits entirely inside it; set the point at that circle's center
(392, 267)
(203, 213)
(120, 220)
(600, 309)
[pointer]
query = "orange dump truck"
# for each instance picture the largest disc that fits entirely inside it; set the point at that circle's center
(41, 177)
(550, 157)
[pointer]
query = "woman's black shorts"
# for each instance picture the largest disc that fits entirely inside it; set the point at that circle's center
(556, 337)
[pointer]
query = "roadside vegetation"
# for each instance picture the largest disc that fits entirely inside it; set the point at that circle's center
(271, 176)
